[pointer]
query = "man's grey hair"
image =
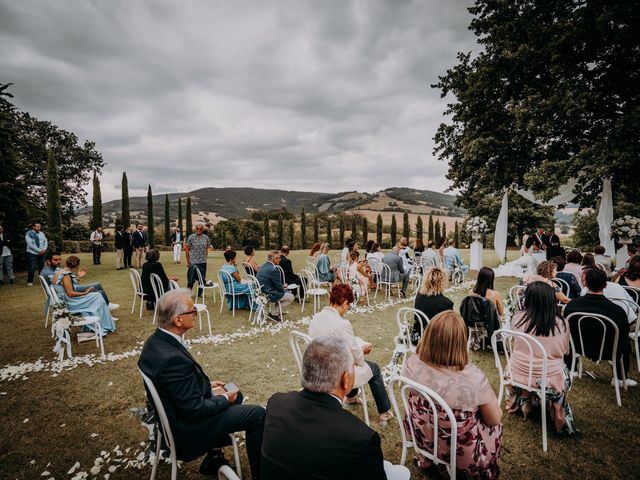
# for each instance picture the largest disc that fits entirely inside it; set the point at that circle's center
(172, 304)
(272, 254)
(324, 362)
(395, 250)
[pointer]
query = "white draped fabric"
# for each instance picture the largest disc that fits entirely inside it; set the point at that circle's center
(475, 260)
(565, 195)
(500, 236)
(605, 218)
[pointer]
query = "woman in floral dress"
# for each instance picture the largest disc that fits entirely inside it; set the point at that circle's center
(441, 363)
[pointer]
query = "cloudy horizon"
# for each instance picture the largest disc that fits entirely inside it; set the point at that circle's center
(287, 95)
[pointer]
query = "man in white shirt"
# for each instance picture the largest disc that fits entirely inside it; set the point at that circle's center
(451, 255)
(37, 245)
(96, 245)
(176, 243)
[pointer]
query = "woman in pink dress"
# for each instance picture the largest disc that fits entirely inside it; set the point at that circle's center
(540, 319)
(441, 363)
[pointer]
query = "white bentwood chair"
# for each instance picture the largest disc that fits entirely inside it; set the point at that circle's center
(509, 339)
(306, 277)
(203, 287)
(136, 282)
(164, 429)
(437, 407)
(384, 281)
(158, 291)
(405, 318)
(47, 294)
(292, 287)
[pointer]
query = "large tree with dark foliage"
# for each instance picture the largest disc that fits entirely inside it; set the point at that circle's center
(97, 203)
(188, 219)
(303, 229)
(379, 226)
(167, 220)
(394, 231)
(126, 215)
(54, 209)
(554, 94)
(150, 220)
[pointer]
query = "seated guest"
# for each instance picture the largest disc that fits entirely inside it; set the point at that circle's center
(358, 273)
(602, 259)
(541, 320)
(574, 259)
(242, 291)
(344, 254)
(588, 261)
(546, 272)
(307, 433)
(554, 249)
(398, 272)
(618, 295)
(52, 262)
(574, 287)
(484, 288)
(153, 265)
(327, 273)
(330, 321)
(271, 283)
(430, 299)
(368, 247)
(201, 413)
(250, 252)
(440, 248)
(290, 277)
(452, 255)
(594, 301)
(431, 253)
(441, 363)
(375, 253)
(87, 301)
(315, 250)
(419, 247)
(405, 253)
(631, 275)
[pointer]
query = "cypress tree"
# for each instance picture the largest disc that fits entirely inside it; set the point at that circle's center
(379, 226)
(316, 229)
(365, 231)
(354, 229)
(180, 215)
(437, 231)
(341, 226)
(267, 232)
(291, 235)
(329, 239)
(97, 202)
(444, 230)
(456, 233)
(303, 229)
(394, 231)
(126, 217)
(167, 220)
(432, 235)
(419, 232)
(188, 220)
(54, 210)
(150, 228)
(280, 232)
(406, 228)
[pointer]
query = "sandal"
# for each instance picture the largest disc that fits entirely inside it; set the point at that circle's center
(353, 401)
(385, 417)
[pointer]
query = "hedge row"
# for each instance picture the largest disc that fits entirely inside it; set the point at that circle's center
(84, 246)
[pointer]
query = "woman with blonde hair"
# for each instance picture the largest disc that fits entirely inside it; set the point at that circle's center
(441, 363)
(430, 299)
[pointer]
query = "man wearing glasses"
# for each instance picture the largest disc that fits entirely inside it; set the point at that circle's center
(196, 250)
(201, 413)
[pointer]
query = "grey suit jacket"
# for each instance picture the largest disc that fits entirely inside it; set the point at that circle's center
(395, 264)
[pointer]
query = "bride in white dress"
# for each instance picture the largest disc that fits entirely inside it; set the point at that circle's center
(520, 267)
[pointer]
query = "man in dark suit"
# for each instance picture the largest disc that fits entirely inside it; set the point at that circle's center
(271, 283)
(128, 246)
(289, 275)
(138, 242)
(201, 413)
(119, 244)
(307, 434)
(595, 302)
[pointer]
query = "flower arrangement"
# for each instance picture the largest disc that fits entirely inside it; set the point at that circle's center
(476, 225)
(63, 320)
(260, 308)
(625, 228)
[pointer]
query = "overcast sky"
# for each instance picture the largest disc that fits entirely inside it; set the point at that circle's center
(299, 95)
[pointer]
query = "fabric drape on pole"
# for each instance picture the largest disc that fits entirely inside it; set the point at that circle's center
(500, 236)
(605, 218)
(565, 195)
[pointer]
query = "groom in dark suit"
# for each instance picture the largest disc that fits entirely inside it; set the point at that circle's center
(271, 283)
(307, 434)
(290, 277)
(201, 413)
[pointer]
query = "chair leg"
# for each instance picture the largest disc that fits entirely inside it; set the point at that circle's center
(364, 405)
(543, 405)
(208, 321)
(174, 467)
(133, 306)
(236, 455)
(154, 467)
(637, 351)
(617, 386)
(140, 316)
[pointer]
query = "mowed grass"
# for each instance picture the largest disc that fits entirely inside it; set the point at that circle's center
(64, 410)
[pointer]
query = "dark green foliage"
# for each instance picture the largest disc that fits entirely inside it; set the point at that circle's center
(150, 226)
(167, 220)
(76, 231)
(126, 216)
(329, 239)
(379, 226)
(180, 215)
(54, 210)
(585, 235)
(341, 227)
(266, 232)
(291, 238)
(303, 229)
(432, 232)
(394, 230)
(316, 229)
(406, 228)
(365, 231)
(251, 233)
(189, 219)
(280, 232)
(436, 231)
(354, 229)
(419, 232)
(444, 229)
(96, 220)
(456, 234)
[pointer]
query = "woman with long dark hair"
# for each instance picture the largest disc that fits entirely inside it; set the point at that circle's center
(484, 288)
(588, 261)
(540, 319)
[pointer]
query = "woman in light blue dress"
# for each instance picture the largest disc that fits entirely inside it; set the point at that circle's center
(87, 302)
(241, 290)
(327, 273)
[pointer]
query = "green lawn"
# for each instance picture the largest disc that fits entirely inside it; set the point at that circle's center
(52, 418)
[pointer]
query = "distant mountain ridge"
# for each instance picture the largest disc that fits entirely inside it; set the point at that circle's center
(239, 202)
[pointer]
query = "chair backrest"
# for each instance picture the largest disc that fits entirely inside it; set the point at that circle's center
(173, 285)
(629, 306)
(564, 286)
(199, 274)
(253, 279)
(374, 263)
(450, 262)
(136, 281)
(226, 283)
(438, 411)
(156, 285)
(385, 273)
(428, 262)
(299, 342)
(476, 309)
(405, 318)
(515, 295)
(311, 259)
(54, 295)
(281, 272)
(45, 287)
(575, 321)
(512, 340)
(634, 292)
(601, 266)
(225, 472)
(248, 269)
(159, 408)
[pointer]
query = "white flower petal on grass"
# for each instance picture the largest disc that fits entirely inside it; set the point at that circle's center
(80, 476)
(110, 384)
(95, 470)
(46, 473)
(32, 462)
(25, 420)
(113, 468)
(75, 467)
(94, 435)
(62, 425)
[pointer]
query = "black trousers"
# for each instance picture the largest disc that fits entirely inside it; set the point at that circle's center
(378, 390)
(97, 251)
(128, 253)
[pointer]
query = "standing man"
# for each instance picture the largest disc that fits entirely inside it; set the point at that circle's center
(128, 246)
(119, 243)
(176, 243)
(96, 245)
(37, 245)
(6, 257)
(137, 240)
(196, 250)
